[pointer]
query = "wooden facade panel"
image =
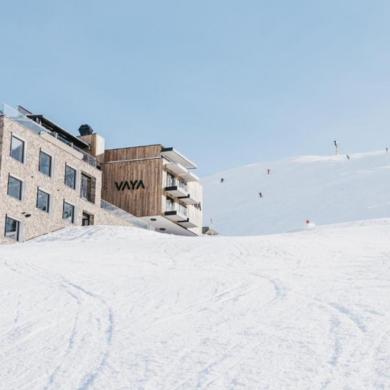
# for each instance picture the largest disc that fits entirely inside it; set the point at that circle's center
(140, 152)
(122, 186)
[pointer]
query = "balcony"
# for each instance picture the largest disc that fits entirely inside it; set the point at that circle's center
(176, 212)
(176, 168)
(187, 224)
(176, 157)
(175, 215)
(188, 200)
(176, 191)
(189, 176)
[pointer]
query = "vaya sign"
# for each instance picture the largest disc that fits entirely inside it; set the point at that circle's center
(130, 185)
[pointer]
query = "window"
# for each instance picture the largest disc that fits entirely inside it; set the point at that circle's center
(170, 180)
(183, 185)
(68, 213)
(43, 201)
(45, 164)
(17, 149)
(15, 188)
(170, 204)
(12, 229)
(70, 177)
(87, 219)
(183, 210)
(86, 187)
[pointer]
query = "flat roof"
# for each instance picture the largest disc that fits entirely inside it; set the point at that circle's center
(135, 147)
(170, 153)
(177, 157)
(60, 130)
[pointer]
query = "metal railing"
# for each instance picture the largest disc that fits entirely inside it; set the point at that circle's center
(86, 157)
(125, 215)
(23, 120)
(18, 117)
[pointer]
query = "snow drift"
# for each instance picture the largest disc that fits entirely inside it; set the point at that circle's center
(123, 309)
(324, 190)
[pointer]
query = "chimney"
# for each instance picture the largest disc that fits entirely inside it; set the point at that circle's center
(85, 130)
(95, 141)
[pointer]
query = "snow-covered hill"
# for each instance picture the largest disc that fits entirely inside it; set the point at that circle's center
(123, 309)
(323, 190)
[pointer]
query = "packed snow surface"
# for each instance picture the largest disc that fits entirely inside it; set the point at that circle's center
(126, 309)
(323, 190)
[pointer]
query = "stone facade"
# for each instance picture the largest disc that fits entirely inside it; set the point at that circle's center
(34, 221)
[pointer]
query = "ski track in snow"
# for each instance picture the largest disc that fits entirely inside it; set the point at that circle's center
(119, 308)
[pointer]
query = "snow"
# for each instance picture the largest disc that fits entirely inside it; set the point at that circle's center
(324, 190)
(126, 309)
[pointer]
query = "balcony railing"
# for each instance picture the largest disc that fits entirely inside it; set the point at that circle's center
(18, 117)
(176, 207)
(125, 215)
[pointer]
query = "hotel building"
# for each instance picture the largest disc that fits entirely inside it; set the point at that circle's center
(156, 184)
(51, 179)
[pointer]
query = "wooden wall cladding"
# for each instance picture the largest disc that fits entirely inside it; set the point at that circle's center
(135, 153)
(137, 201)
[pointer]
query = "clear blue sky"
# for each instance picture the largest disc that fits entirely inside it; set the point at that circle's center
(225, 82)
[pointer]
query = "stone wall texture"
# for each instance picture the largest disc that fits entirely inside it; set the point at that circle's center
(36, 222)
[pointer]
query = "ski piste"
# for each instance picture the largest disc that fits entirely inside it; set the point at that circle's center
(124, 308)
(324, 190)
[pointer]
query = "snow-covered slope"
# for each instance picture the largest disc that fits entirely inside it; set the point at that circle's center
(323, 190)
(125, 309)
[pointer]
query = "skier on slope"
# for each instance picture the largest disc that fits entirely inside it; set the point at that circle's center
(310, 225)
(347, 156)
(268, 170)
(260, 194)
(222, 180)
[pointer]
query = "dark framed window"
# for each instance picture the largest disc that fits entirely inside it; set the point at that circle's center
(12, 228)
(17, 149)
(15, 188)
(68, 213)
(86, 187)
(70, 177)
(45, 164)
(43, 201)
(87, 219)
